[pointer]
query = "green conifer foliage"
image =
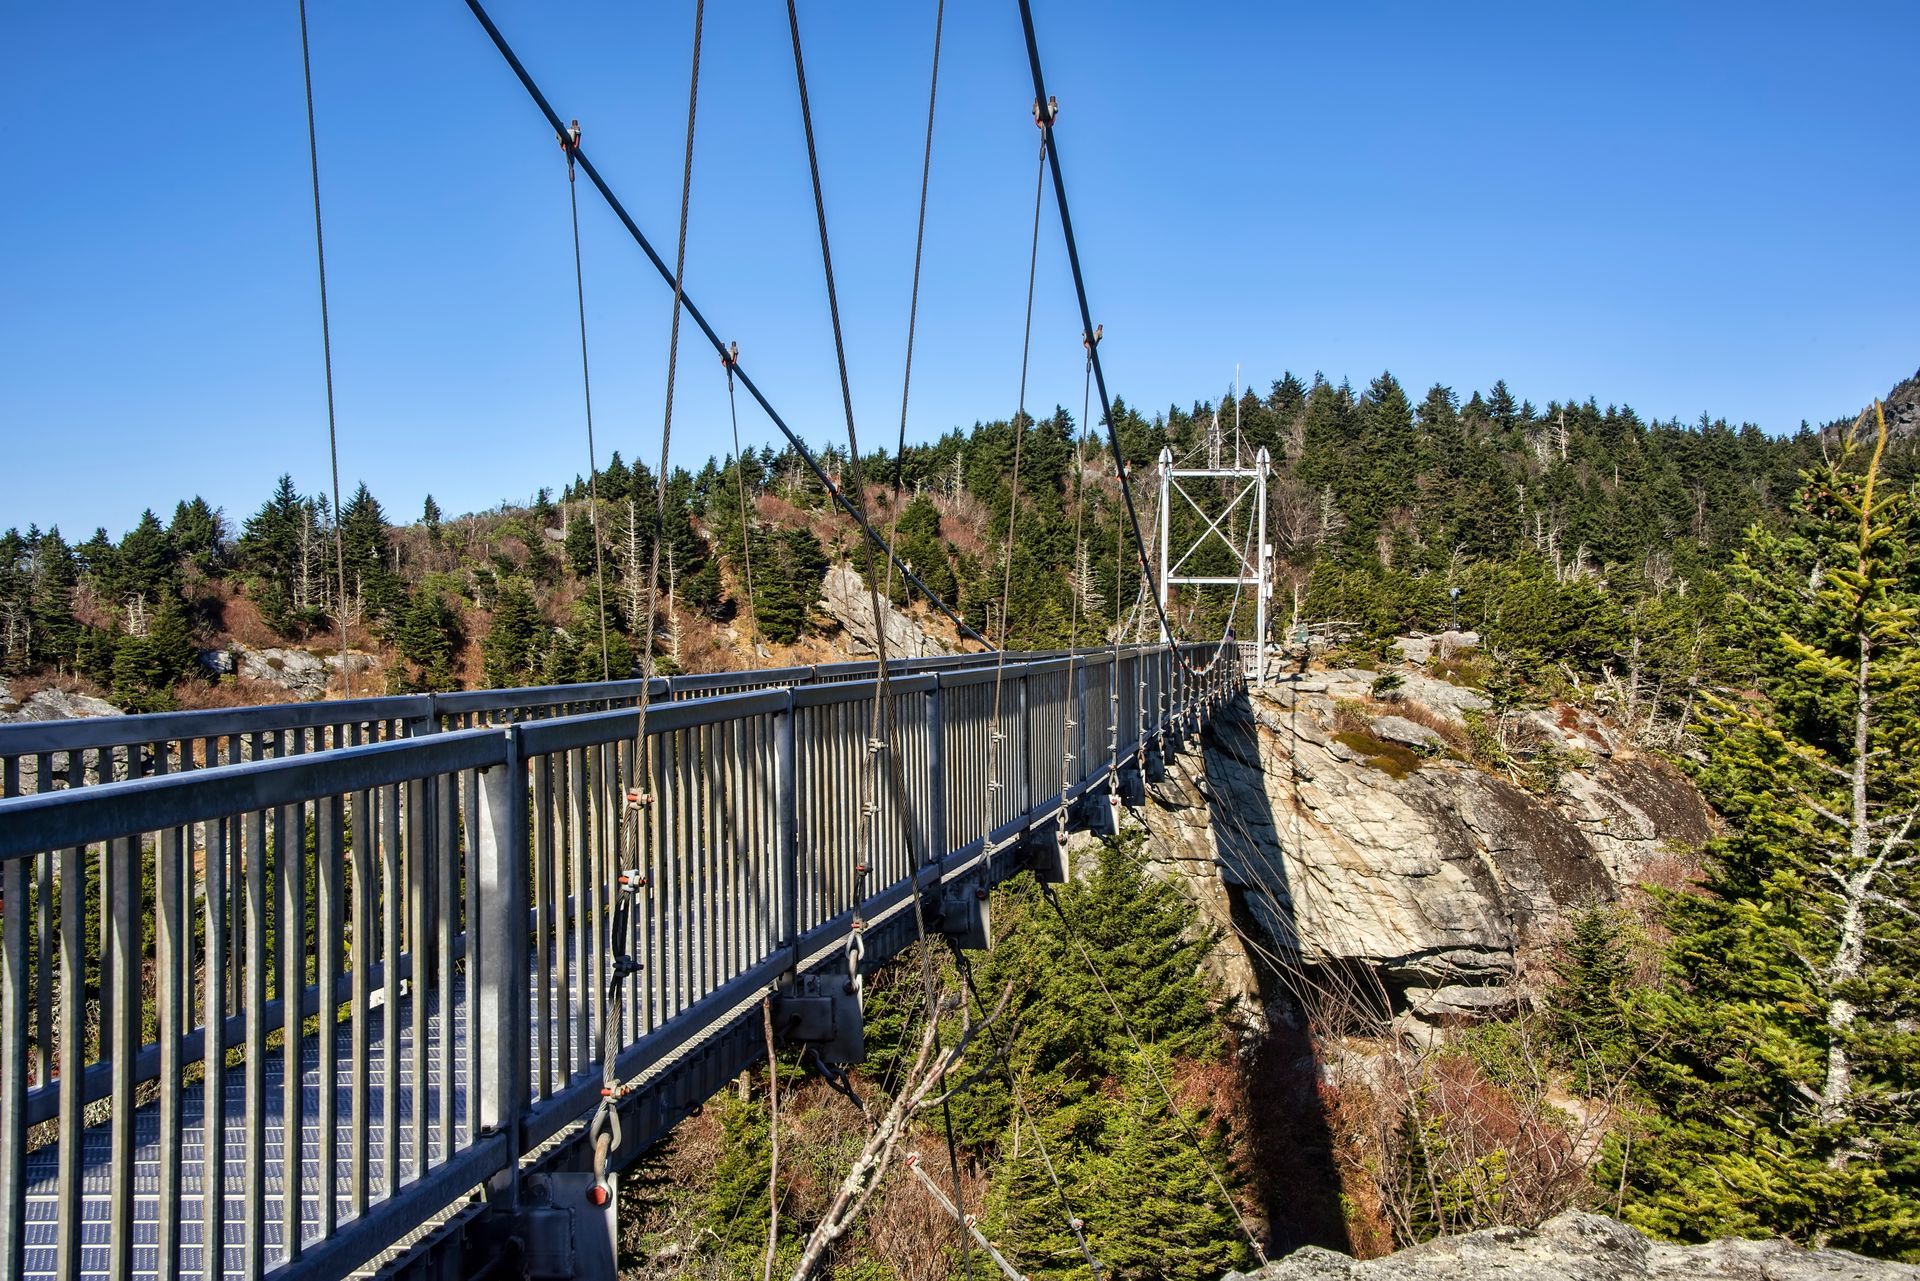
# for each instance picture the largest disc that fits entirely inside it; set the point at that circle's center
(1783, 1066)
(515, 645)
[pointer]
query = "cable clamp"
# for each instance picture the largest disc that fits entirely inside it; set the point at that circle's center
(876, 745)
(1042, 118)
(638, 799)
(1091, 343)
(731, 356)
(633, 880)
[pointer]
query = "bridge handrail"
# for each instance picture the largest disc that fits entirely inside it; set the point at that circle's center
(748, 845)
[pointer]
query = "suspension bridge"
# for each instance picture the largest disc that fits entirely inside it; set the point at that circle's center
(400, 983)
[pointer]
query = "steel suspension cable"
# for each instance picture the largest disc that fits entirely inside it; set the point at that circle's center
(706, 329)
(1082, 585)
(882, 731)
(569, 141)
(1047, 114)
(994, 737)
(639, 796)
(326, 357)
(730, 358)
(913, 303)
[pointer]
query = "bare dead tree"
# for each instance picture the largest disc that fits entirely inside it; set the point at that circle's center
(920, 1089)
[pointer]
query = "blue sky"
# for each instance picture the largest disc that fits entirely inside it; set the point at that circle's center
(1702, 207)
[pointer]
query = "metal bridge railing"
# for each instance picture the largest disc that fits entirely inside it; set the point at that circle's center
(298, 980)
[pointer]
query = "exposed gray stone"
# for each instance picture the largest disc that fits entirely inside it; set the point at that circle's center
(1459, 1003)
(845, 596)
(1430, 880)
(52, 705)
(1583, 1247)
(1398, 729)
(217, 662)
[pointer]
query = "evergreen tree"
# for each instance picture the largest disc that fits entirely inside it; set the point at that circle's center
(199, 536)
(1783, 1064)
(430, 518)
(515, 645)
(428, 635)
(143, 564)
(369, 555)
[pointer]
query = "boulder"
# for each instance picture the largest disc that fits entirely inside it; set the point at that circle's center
(844, 595)
(295, 670)
(217, 662)
(1398, 729)
(1414, 649)
(1582, 1247)
(52, 704)
(1458, 1003)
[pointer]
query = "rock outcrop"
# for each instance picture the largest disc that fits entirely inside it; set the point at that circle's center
(298, 671)
(1338, 832)
(1583, 1247)
(52, 705)
(844, 595)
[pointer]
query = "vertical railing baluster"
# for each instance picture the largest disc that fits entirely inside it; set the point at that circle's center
(14, 922)
(213, 1055)
(500, 862)
(290, 962)
(172, 1025)
(446, 841)
(786, 854)
(70, 1213)
(392, 905)
(360, 904)
(544, 917)
(122, 973)
(419, 956)
(330, 852)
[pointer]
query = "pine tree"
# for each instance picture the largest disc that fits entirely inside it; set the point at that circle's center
(1588, 1011)
(144, 562)
(430, 518)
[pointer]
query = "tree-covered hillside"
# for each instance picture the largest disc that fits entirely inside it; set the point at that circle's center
(1585, 542)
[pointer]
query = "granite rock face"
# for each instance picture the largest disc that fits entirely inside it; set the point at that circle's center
(1427, 871)
(1582, 1247)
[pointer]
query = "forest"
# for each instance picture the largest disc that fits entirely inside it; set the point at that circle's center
(1744, 603)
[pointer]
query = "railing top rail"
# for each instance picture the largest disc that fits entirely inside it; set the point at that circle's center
(23, 737)
(80, 816)
(26, 738)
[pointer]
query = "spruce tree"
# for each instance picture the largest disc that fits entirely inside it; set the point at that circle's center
(1783, 1066)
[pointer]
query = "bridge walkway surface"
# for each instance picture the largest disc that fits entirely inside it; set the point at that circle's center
(453, 866)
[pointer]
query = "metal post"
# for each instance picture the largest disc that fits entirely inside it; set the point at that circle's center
(1166, 508)
(500, 861)
(1263, 463)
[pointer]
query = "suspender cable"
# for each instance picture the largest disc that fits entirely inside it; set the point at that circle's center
(1046, 114)
(881, 720)
(569, 142)
(730, 358)
(700, 322)
(605, 1127)
(913, 304)
(994, 737)
(326, 357)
